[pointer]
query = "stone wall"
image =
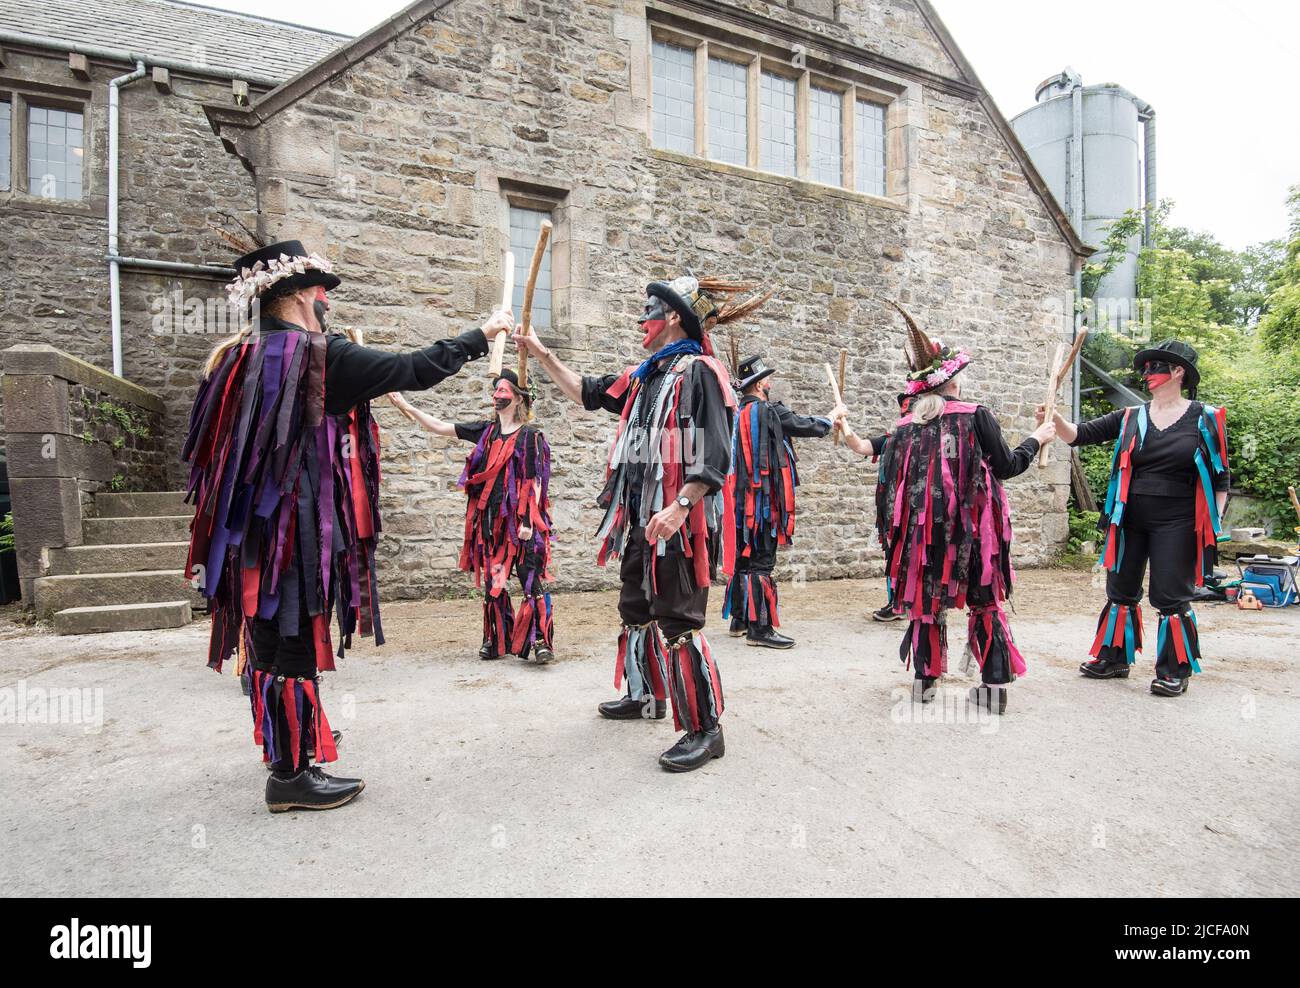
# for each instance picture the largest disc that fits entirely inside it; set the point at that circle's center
(399, 166)
(72, 430)
(175, 178)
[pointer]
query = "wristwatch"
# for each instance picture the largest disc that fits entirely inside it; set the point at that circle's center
(684, 501)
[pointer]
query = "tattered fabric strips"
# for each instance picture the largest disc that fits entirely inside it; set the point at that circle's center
(765, 463)
(534, 625)
(289, 721)
(642, 659)
(1177, 642)
(1119, 633)
(989, 643)
(752, 597)
(275, 486)
(696, 686)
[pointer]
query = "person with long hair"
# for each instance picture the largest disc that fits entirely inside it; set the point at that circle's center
(945, 521)
(506, 481)
(284, 476)
(1168, 488)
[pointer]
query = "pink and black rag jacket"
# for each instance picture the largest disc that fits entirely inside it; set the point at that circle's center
(945, 523)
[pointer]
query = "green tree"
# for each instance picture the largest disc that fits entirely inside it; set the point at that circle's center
(1280, 326)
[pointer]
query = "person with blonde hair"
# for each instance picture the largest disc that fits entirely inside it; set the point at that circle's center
(284, 476)
(945, 521)
(507, 479)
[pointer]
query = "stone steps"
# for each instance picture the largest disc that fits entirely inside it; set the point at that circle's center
(123, 617)
(51, 594)
(140, 504)
(132, 530)
(130, 557)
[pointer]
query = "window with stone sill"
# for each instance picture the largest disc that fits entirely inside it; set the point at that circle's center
(55, 152)
(719, 102)
(525, 224)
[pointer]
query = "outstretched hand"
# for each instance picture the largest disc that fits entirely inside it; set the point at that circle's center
(501, 321)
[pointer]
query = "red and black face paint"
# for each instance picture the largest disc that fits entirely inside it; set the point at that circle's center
(1155, 373)
(653, 319)
(320, 306)
(503, 395)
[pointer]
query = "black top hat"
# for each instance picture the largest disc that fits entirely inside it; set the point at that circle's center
(507, 375)
(752, 370)
(1172, 352)
(688, 300)
(316, 269)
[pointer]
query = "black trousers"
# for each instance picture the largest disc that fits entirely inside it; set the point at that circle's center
(1159, 531)
(676, 603)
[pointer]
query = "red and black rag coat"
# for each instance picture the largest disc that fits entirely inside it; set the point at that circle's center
(284, 476)
(507, 480)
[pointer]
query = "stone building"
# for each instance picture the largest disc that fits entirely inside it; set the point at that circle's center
(841, 150)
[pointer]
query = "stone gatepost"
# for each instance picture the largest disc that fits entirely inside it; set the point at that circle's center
(71, 430)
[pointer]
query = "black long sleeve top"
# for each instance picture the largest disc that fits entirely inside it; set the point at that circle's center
(801, 426)
(355, 373)
(1166, 464)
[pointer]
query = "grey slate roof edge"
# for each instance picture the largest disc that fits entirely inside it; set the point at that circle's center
(322, 71)
(1080, 248)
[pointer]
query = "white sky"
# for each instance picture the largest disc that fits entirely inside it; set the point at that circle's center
(1219, 73)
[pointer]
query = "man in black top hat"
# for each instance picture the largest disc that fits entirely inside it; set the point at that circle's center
(284, 475)
(765, 478)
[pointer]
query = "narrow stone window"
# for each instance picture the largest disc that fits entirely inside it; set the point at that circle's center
(728, 111)
(778, 143)
(674, 97)
(826, 136)
(6, 145)
(869, 138)
(524, 226)
(55, 149)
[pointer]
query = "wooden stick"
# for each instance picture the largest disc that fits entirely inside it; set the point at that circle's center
(1072, 356)
(498, 358)
(1049, 403)
(539, 251)
(835, 390)
(1295, 503)
(844, 359)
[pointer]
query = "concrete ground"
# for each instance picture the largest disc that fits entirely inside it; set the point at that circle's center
(499, 778)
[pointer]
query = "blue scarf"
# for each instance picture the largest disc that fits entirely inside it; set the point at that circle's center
(671, 350)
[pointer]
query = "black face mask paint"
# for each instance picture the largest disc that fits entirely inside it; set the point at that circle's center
(501, 404)
(318, 307)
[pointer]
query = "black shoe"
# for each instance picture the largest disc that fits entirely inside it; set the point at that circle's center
(488, 652)
(692, 751)
(310, 789)
(994, 698)
(768, 638)
(311, 752)
(923, 689)
(738, 628)
(542, 655)
(1163, 686)
(628, 709)
(1101, 669)
(886, 613)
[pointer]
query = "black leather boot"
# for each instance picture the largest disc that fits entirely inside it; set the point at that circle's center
(647, 708)
(923, 689)
(486, 651)
(694, 750)
(1165, 686)
(542, 655)
(768, 638)
(993, 698)
(310, 789)
(1101, 669)
(886, 613)
(738, 628)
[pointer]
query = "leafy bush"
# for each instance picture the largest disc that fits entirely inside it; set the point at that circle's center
(7, 533)
(1083, 528)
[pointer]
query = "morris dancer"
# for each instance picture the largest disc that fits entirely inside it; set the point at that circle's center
(668, 510)
(945, 522)
(1168, 488)
(507, 479)
(284, 471)
(766, 477)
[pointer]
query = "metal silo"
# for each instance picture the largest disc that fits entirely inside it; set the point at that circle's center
(1095, 148)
